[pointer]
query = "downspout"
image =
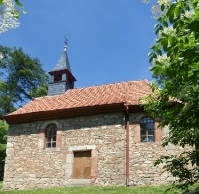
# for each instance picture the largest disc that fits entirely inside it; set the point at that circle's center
(127, 143)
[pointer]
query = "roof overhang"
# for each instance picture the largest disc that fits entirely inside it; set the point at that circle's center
(68, 113)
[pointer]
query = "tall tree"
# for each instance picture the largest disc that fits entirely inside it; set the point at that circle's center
(22, 79)
(175, 98)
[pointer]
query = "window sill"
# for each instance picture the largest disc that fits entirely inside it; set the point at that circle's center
(142, 143)
(49, 150)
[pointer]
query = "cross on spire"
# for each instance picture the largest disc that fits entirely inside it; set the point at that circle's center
(66, 41)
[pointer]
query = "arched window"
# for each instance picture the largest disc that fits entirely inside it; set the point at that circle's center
(147, 129)
(51, 133)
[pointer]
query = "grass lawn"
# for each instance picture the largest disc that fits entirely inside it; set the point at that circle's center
(97, 189)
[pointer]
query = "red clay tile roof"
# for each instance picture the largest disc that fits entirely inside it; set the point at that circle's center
(127, 92)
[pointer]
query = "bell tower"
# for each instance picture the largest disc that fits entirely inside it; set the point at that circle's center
(61, 77)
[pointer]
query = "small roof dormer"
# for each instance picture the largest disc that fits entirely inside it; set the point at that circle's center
(61, 77)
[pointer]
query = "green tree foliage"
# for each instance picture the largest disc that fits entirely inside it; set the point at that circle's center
(9, 14)
(22, 79)
(16, 12)
(3, 134)
(175, 98)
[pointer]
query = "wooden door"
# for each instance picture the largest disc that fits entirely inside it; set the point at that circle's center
(82, 165)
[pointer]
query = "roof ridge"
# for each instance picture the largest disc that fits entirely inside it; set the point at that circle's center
(111, 84)
(91, 87)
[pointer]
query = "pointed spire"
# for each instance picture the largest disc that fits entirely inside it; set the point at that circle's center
(63, 62)
(61, 78)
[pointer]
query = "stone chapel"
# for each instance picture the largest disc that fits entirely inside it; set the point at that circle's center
(98, 135)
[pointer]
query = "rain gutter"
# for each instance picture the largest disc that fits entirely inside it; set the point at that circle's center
(127, 143)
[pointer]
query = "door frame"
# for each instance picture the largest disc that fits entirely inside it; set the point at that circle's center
(79, 157)
(70, 161)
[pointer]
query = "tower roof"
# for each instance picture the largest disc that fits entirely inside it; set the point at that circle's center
(63, 62)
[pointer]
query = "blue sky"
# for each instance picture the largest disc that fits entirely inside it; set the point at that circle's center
(108, 40)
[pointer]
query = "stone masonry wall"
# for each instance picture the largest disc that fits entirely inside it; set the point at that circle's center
(144, 154)
(28, 166)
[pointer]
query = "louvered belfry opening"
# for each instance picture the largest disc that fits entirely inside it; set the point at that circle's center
(82, 165)
(57, 77)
